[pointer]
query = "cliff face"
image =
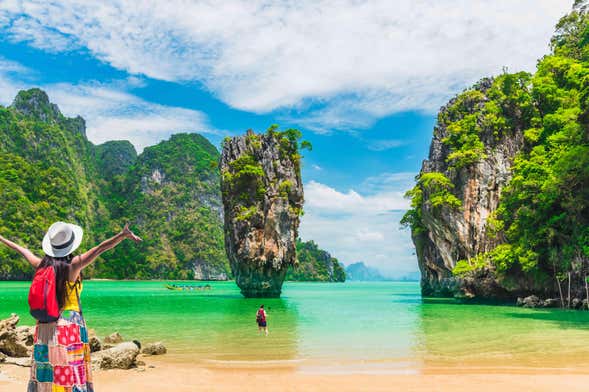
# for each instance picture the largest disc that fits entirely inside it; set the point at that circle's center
(170, 194)
(453, 234)
(262, 199)
(115, 157)
(173, 196)
(46, 174)
(501, 206)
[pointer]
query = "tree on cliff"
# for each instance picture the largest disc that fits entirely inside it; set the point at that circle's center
(539, 231)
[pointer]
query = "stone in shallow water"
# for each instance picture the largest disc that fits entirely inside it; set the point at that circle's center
(532, 302)
(154, 349)
(552, 303)
(113, 338)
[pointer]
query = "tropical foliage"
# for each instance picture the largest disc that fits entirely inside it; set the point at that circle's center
(315, 264)
(49, 171)
(542, 222)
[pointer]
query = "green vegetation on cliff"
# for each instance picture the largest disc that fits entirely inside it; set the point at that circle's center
(314, 264)
(49, 171)
(438, 188)
(172, 194)
(542, 222)
(44, 176)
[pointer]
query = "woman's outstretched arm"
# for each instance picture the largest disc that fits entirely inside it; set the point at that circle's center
(27, 254)
(79, 262)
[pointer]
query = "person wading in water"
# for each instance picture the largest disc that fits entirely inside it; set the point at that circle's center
(61, 354)
(261, 320)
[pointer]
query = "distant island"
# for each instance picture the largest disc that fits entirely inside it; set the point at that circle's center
(315, 264)
(361, 272)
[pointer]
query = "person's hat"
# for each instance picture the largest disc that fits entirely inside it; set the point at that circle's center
(62, 239)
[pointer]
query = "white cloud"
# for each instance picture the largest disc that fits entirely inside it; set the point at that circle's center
(316, 167)
(111, 113)
(9, 82)
(366, 235)
(322, 197)
(24, 29)
(363, 226)
(385, 144)
(114, 114)
(359, 60)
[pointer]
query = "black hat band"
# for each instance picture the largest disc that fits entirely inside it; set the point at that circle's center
(65, 244)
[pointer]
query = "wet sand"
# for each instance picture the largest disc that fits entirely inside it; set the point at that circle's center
(161, 374)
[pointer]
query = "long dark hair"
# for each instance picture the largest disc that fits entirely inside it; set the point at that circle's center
(62, 274)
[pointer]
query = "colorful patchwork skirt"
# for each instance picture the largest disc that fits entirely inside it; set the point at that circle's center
(61, 356)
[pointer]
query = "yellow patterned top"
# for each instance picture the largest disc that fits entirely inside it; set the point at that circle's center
(71, 299)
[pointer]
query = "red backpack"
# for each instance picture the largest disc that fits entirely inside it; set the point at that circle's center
(42, 296)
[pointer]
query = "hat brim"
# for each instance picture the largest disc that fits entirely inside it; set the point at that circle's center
(50, 251)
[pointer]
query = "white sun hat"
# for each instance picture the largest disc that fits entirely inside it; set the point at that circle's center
(62, 239)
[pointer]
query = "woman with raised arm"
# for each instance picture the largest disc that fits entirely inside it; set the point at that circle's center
(61, 354)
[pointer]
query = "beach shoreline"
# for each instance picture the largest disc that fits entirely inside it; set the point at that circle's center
(162, 374)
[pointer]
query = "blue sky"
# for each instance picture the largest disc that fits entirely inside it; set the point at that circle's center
(362, 80)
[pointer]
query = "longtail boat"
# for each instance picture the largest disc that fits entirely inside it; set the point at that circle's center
(188, 287)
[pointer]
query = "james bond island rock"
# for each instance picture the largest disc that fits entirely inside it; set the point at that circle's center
(263, 201)
(501, 206)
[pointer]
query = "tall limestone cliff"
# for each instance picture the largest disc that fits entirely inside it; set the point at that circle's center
(501, 206)
(456, 229)
(170, 194)
(263, 199)
(46, 174)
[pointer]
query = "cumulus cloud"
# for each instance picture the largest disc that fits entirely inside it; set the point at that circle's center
(25, 29)
(362, 226)
(110, 111)
(322, 197)
(358, 61)
(114, 114)
(10, 75)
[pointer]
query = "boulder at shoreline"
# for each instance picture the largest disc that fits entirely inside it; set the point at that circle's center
(122, 356)
(154, 349)
(16, 345)
(113, 338)
(15, 342)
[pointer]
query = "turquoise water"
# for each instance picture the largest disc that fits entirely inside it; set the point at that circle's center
(328, 324)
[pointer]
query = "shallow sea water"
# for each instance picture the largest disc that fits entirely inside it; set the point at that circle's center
(328, 327)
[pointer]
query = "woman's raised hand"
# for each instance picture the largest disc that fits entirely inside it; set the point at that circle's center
(129, 234)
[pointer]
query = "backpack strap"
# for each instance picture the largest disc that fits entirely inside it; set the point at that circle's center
(78, 297)
(76, 285)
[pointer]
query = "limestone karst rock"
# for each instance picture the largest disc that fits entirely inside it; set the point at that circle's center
(262, 199)
(451, 234)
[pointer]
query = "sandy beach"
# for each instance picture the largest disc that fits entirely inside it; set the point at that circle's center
(161, 374)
